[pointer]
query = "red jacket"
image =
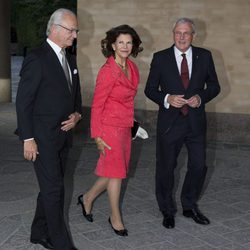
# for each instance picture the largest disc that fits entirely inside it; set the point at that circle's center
(113, 101)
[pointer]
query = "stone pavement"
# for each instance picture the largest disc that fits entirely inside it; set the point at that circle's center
(225, 200)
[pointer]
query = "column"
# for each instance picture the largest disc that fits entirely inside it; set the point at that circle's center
(5, 63)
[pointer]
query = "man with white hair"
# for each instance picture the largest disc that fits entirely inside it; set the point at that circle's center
(48, 107)
(181, 81)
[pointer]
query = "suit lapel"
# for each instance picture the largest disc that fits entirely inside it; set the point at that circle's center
(195, 59)
(174, 67)
(73, 70)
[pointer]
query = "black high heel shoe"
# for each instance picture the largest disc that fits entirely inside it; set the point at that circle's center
(122, 232)
(89, 217)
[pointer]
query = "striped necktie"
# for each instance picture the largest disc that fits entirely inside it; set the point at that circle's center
(66, 69)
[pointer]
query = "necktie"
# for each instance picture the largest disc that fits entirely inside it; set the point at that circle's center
(65, 68)
(185, 80)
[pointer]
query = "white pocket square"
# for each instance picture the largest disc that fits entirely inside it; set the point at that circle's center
(75, 71)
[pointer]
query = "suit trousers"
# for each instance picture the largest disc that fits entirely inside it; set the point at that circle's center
(168, 147)
(49, 215)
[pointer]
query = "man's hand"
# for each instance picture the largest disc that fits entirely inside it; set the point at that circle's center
(176, 101)
(194, 101)
(71, 122)
(101, 145)
(30, 151)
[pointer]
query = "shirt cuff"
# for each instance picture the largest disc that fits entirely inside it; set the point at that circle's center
(199, 101)
(166, 104)
(30, 139)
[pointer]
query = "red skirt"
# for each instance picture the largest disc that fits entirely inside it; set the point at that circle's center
(115, 163)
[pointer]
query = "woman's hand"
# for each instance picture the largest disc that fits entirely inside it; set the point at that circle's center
(101, 145)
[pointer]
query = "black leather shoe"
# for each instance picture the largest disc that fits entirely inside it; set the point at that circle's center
(197, 216)
(44, 242)
(122, 232)
(89, 217)
(168, 221)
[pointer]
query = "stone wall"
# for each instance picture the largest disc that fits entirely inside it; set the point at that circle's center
(222, 27)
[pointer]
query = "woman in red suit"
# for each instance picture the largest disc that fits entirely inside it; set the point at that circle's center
(112, 116)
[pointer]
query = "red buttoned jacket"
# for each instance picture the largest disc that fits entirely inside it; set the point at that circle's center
(113, 101)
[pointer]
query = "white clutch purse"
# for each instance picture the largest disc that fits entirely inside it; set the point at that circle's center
(138, 131)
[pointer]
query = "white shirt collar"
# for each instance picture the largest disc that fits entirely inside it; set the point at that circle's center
(179, 53)
(178, 57)
(54, 46)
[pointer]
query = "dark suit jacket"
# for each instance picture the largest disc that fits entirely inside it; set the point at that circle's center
(43, 98)
(164, 78)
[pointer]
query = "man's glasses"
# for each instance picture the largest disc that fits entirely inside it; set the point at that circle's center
(184, 34)
(69, 30)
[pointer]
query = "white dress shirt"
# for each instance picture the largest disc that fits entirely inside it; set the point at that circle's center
(178, 58)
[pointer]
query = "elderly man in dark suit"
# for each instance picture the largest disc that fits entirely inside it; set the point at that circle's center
(181, 81)
(48, 106)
